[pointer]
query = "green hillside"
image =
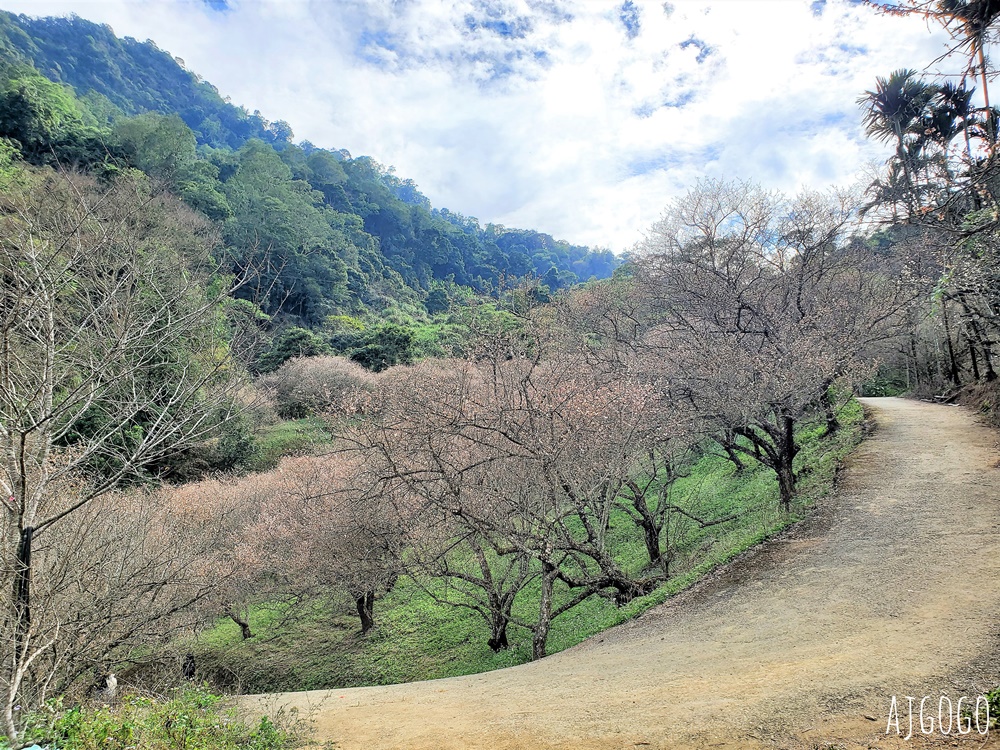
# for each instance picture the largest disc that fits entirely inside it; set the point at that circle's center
(336, 235)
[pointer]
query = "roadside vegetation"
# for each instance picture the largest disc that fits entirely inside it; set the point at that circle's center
(189, 719)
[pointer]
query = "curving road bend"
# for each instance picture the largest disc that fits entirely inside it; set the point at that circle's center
(891, 588)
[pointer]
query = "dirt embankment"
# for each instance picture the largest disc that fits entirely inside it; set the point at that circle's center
(891, 588)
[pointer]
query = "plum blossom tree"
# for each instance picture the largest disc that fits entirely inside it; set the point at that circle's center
(516, 457)
(759, 304)
(324, 528)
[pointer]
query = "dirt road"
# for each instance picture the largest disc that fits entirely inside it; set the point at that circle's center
(891, 588)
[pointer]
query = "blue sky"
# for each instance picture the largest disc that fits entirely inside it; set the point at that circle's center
(580, 118)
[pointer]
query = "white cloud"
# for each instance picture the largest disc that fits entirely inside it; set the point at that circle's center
(544, 113)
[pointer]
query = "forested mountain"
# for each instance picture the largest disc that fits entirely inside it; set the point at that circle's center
(123, 76)
(337, 235)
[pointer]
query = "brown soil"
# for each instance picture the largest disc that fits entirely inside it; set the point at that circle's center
(891, 588)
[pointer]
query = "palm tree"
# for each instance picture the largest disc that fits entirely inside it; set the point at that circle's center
(970, 21)
(896, 106)
(951, 113)
(896, 110)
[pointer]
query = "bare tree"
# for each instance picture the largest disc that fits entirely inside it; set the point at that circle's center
(525, 449)
(476, 570)
(109, 587)
(407, 441)
(323, 528)
(110, 359)
(760, 304)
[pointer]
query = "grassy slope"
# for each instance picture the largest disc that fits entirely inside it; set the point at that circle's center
(286, 439)
(418, 638)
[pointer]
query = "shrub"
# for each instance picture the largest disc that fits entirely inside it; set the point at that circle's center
(313, 385)
(192, 719)
(385, 347)
(885, 383)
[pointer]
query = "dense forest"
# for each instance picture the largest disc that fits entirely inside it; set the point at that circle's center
(252, 387)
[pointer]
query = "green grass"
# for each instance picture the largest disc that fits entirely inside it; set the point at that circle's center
(285, 439)
(419, 638)
(190, 719)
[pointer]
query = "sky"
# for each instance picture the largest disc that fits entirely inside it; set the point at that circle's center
(578, 118)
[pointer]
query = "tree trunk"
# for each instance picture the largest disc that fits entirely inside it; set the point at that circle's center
(22, 587)
(786, 485)
(977, 334)
(916, 362)
(651, 536)
(500, 606)
(498, 634)
(10, 728)
(832, 423)
(734, 457)
(21, 602)
(991, 374)
(786, 458)
(651, 528)
(390, 580)
(626, 589)
(244, 625)
(952, 361)
(541, 634)
(974, 360)
(366, 610)
(991, 125)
